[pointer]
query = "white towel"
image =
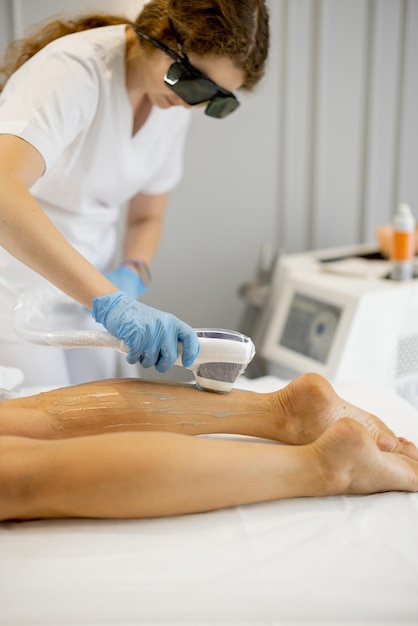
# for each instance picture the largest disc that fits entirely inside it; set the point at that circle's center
(11, 380)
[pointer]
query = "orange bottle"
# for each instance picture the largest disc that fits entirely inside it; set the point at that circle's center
(403, 241)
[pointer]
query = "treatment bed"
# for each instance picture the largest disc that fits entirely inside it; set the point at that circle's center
(337, 560)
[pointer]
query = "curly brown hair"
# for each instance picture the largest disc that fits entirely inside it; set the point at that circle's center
(238, 29)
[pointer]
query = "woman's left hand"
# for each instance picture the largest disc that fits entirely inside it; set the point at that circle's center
(126, 279)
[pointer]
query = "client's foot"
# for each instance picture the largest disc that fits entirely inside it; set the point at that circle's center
(350, 462)
(309, 405)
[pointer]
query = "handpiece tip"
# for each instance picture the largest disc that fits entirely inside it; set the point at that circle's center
(216, 386)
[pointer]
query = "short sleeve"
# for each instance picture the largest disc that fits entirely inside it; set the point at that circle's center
(48, 101)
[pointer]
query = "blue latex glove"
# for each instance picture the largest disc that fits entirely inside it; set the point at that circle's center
(151, 335)
(126, 279)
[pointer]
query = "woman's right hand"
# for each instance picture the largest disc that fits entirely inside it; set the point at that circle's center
(151, 335)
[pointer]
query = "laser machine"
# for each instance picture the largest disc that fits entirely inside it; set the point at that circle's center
(337, 313)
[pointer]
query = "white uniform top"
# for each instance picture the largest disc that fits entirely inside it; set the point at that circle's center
(70, 102)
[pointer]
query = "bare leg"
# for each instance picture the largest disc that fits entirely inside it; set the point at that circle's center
(297, 414)
(122, 405)
(159, 474)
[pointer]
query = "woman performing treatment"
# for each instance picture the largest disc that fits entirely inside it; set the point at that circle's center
(94, 114)
(128, 448)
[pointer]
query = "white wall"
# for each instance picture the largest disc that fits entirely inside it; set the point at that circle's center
(28, 12)
(319, 155)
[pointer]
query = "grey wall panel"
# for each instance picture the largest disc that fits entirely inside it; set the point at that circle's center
(348, 130)
(380, 187)
(296, 143)
(408, 142)
(337, 157)
(6, 23)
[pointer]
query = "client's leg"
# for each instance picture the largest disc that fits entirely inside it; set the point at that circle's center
(297, 414)
(159, 474)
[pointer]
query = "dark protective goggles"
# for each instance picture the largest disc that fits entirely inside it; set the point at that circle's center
(191, 85)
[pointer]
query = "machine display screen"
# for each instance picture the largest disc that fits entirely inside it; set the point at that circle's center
(310, 327)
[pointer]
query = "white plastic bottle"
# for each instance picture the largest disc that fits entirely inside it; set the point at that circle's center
(402, 255)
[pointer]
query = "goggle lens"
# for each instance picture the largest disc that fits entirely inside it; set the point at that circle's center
(221, 106)
(191, 88)
(194, 88)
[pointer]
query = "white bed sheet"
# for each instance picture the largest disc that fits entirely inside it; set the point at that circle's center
(340, 560)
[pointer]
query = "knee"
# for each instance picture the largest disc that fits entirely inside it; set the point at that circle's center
(14, 473)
